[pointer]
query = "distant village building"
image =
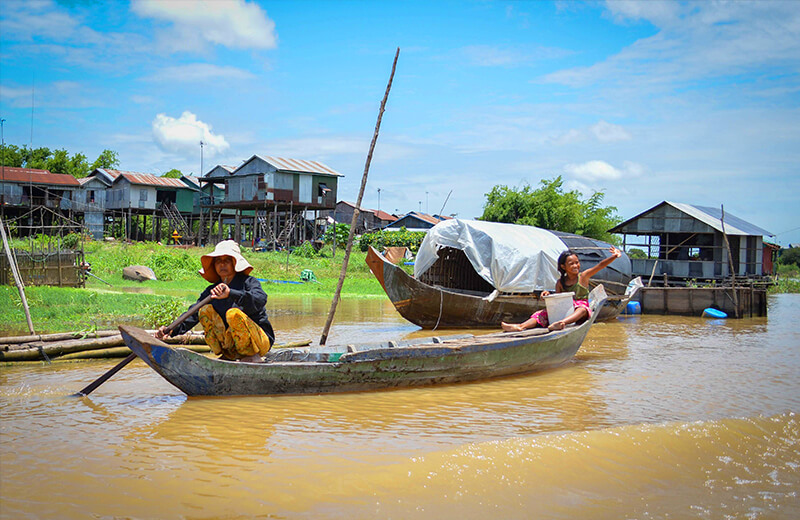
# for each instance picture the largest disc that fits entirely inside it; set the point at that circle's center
(138, 197)
(368, 219)
(26, 187)
(683, 242)
(415, 221)
(23, 189)
(90, 200)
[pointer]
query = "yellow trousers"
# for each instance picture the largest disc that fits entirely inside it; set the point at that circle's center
(242, 338)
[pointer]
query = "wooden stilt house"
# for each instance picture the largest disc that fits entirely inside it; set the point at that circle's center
(271, 197)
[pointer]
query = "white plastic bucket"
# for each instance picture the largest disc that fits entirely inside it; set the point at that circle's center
(559, 306)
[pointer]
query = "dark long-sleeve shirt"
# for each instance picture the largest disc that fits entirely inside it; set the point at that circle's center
(246, 294)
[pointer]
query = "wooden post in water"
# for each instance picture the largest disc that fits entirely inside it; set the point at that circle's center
(354, 220)
(730, 262)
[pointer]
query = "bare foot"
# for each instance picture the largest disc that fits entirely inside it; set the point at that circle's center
(510, 327)
(559, 325)
(255, 358)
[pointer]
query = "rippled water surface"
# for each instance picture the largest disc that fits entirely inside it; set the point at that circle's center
(656, 417)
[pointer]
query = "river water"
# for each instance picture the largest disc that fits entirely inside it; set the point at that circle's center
(656, 417)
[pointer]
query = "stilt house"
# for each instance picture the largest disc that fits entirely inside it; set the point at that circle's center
(271, 196)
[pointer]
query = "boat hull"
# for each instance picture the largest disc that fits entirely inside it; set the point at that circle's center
(434, 361)
(434, 307)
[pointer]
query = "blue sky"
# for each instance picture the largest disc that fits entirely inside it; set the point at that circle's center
(694, 102)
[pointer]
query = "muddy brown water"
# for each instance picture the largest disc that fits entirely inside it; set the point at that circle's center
(656, 417)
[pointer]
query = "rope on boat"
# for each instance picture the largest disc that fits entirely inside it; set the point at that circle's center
(441, 299)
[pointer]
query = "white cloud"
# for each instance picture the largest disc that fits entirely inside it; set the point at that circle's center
(609, 133)
(570, 136)
(694, 42)
(235, 23)
(657, 11)
(593, 171)
(601, 171)
(510, 56)
(199, 72)
(183, 135)
(32, 18)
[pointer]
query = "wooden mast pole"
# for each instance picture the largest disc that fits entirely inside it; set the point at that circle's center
(354, 221)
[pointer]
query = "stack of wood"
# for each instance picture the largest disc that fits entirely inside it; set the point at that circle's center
(76, 345)
(95, 345)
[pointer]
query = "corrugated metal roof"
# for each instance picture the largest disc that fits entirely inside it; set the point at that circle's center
(384, 216)
(299, 165)
(707, 215)
(194, 181)
(712, 216)
(111, 174)
(152, 180)
(34, 176)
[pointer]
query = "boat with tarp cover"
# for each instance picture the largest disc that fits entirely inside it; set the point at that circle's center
(355, 368)
(471, 274)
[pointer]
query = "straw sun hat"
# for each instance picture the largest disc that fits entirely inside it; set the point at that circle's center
(224, 248)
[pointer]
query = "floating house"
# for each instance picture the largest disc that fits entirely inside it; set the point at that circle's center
(679, 242)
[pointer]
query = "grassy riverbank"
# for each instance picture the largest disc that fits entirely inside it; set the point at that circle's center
(98, 306)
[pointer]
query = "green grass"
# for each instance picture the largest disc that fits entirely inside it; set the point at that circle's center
(98, 306)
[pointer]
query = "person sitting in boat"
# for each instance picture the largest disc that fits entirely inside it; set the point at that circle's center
(235, 322)
(572, 280)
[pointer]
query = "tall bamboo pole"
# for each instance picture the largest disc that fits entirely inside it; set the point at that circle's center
(17, 278)
(354, 220)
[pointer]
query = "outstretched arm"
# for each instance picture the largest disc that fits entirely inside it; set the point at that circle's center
(585, 275)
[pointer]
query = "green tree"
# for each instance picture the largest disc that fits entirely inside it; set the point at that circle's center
(550, 207)
(173, 174)
(106, 159)
(790, 257)
(62, 163)
(12, 155)
(37, 158)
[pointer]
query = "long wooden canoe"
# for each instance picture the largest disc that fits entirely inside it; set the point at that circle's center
(355, 368)
(432, 307)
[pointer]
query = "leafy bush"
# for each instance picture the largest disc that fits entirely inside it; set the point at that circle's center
(382, 239)
(306, 250)
(341, 232)
(790, 257)
(163, 313)
(787, 270)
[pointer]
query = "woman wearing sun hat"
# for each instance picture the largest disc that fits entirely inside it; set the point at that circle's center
(235, 322)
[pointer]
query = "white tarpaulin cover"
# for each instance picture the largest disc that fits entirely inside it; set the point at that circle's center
(510, 257)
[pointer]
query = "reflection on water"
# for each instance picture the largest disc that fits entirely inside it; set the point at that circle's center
(655, 417)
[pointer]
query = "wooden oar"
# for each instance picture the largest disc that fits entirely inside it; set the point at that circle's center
(105, 377)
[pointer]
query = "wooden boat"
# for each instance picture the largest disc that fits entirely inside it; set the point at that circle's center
(432, 307)
(366, 367)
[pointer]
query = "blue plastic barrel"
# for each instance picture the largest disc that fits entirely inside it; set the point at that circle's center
(633, 308)
(713, 313)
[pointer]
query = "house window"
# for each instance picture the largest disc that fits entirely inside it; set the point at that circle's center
(142, 195)
(323, 189)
